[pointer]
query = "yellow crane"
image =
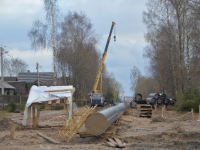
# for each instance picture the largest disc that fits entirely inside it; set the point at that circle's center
(96, 96)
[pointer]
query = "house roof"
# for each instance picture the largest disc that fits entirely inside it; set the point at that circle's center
(20, 86)
(10, 78)
(6, 85)
(30, 77)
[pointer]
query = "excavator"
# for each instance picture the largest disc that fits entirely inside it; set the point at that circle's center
(96, 96)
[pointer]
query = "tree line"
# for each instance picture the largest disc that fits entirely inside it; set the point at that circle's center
(173, 49)
(76, 57)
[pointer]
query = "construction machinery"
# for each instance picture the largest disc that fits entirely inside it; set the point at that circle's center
(96, 96)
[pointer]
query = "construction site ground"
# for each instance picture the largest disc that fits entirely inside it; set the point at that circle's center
(173, 131)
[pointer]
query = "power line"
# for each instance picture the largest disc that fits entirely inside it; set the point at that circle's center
(41, 68)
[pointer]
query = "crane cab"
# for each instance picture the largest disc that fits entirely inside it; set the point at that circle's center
(97, 99)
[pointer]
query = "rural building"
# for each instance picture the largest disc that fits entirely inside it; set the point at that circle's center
(8, 89)
(31, 78)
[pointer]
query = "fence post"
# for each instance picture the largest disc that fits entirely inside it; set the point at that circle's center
(163, 111)
(199, 112)
(12, 131)
(192, 114)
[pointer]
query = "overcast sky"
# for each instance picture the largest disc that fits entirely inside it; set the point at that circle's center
(17, 16)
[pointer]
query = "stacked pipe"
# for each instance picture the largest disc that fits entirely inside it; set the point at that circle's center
(98, 122)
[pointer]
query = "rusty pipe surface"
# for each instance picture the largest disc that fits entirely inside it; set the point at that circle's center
(98, 122)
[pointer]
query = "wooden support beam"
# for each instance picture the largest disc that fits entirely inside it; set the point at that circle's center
(60, 90)
(33, 118)
(28, 123)
(47, 138)
(64, 108)
(37, 120)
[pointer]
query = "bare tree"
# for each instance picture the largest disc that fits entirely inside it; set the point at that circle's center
(135, 76)
(77, 56)
(12, 67)
(171, 27)
(45, 35)
(145, 86)
(112, 87)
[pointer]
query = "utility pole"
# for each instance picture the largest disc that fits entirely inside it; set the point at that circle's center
(2, 77)
(37, 67)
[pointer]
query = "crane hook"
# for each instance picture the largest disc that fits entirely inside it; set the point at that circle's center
(115, 33)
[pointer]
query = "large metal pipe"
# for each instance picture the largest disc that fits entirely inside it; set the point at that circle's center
(98, 122)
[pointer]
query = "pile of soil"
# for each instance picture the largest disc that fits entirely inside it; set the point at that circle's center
(6, 123)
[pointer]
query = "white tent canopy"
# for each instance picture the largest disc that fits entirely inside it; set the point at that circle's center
(44, 93)
(40, 94)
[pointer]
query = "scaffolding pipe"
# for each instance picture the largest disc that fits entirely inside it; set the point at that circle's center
(98, 122)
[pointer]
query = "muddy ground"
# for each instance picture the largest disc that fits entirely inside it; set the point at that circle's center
(174, 131)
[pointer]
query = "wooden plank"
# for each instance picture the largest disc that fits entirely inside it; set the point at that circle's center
(84, 135)
(107, 133)
(47, 138)
(144, 109)
(59, 90)
(119, 142)
(54, 104)
(143, 115)
(141, 105)
(12, 131)
(110, 144)
(49, 102)
(46, 104)
(113, 142)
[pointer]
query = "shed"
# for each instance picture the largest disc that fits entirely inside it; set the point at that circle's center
(8, 89)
